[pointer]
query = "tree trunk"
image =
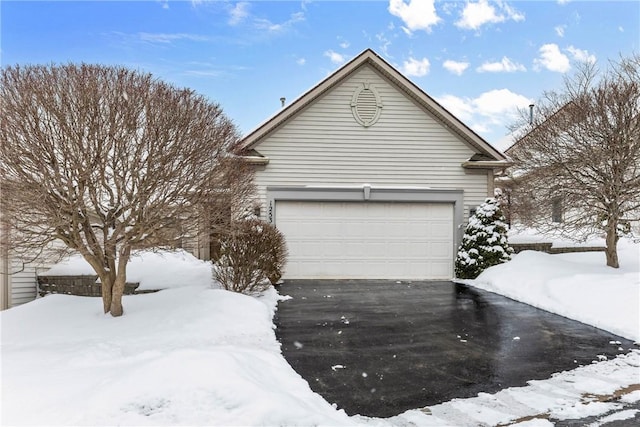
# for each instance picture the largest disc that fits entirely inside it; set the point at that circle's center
(116, 301)
(118, 285)
(106, 286)
(612, 245)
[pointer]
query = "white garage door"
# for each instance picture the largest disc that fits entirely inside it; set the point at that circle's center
(367, 240)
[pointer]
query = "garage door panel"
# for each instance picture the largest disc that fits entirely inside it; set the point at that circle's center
(367, 239)
(440, 251)
(441, 269)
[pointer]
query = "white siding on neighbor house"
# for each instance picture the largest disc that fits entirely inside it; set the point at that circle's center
(325, 146)
(22, 282)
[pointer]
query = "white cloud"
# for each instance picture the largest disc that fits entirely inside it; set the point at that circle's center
(581, 55)
(552, 59)
(344, 44)
(238, 13)
(301, 61)
(560, 30)
(475, 15)
(499, 102)
(335, 57)
(511, 13)
(563, 1)
(265, 24)
(496, 108)
(459, 107)
(204, 73)
(385, 43)
(167, 38)
(455, 67)
(416, 67)
(505, 65)
(416, 14)
(621, 29)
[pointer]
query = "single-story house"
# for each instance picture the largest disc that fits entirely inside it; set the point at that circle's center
(368, 177)
(365, 174)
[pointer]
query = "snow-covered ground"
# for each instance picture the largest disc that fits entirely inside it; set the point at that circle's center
(153, 270)
(197, 355)
(529, 235)
(576, 285)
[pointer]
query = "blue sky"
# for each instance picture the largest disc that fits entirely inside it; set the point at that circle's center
(481, 59)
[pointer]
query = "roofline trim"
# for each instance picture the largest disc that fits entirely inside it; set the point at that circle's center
(395, 77)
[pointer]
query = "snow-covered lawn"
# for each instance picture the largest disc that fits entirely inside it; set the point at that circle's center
(197, 355)
(192, 355)
(576, 285)
(153, 270)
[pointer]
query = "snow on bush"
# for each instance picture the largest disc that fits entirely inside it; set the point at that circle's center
(484, 242)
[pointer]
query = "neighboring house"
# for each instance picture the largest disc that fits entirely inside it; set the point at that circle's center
(550, 204)
(17, 279)
(18, 272)
(368, 176)
(18, 282)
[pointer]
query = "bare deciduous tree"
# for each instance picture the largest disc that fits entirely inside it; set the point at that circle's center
(581, 156)
(109, 161)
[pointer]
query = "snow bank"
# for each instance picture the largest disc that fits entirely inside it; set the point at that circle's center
(576, 285)
(529, 235)
(566, 395)
(197, 355)
(187, 356)
(153, 270)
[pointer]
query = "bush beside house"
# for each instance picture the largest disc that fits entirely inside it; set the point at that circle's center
(252, 256)
(484, 242)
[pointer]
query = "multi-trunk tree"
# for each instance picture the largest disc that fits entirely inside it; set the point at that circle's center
(577, 167)
(108, 161)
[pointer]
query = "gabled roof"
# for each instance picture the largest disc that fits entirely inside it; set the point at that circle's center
(532, 129)
(369, 57)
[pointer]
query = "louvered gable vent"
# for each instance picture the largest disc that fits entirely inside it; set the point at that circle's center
(366, 105)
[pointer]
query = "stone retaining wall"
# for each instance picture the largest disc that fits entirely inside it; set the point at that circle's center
(577, 249)
(547, 247)
(77, 285)
(540, 247)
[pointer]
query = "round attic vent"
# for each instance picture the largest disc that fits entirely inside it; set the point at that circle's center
(366, 105)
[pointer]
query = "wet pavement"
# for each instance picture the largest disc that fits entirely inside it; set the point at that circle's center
(378, 348)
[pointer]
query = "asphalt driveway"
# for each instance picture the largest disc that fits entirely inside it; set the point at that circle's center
(378, 348)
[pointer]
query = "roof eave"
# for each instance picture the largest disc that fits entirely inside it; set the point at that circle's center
(487, 164)
(255, 160)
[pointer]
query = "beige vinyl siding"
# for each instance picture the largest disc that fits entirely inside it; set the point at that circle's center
(22, 280)
(23, 283)
(324, 146)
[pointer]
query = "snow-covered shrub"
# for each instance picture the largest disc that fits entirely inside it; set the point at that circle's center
(252, 256)
(484, 242)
